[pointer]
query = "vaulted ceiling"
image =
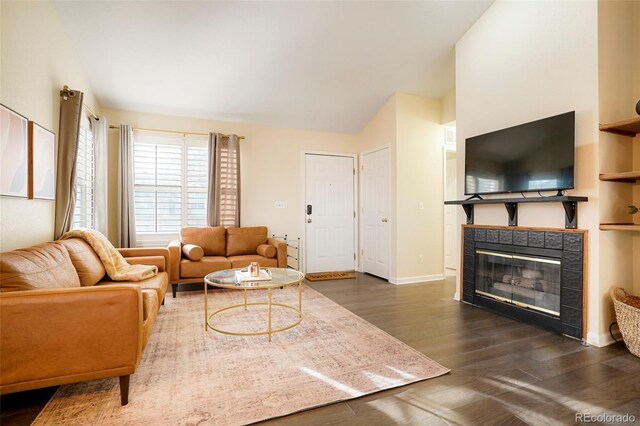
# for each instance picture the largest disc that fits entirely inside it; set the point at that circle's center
(312, 65)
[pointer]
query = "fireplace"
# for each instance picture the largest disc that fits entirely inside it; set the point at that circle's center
(526, 281)
(533, 275)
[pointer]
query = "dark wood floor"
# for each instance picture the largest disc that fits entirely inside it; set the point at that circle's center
(502, 371)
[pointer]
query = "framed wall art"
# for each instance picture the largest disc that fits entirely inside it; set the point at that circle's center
(14, 157)
(42, 151)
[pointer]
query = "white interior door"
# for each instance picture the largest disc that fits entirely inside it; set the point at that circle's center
(375, 213)
(450, 258)
(329, 213)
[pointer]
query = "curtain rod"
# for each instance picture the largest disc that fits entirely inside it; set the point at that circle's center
(172, 131)
(85, 106)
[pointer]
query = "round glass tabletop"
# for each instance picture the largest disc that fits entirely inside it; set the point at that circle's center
(228, 278)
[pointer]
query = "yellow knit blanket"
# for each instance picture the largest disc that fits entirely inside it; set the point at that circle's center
(115, 264)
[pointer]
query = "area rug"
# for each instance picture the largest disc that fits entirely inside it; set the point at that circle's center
(327, 276)
(191, 376)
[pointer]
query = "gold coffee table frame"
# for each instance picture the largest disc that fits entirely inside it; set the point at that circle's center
(281, 277)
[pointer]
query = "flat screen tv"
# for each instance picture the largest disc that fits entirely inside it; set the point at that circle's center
(536, 156)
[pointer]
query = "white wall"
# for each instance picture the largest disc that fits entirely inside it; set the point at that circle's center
(270, 158)
(523, 61)
(37, 60)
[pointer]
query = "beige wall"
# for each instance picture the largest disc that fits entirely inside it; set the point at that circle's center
(271, 165)
(37, 61)
(449, 107)
(381, 131)
(411, 127)
(420, 181)
(522, 61)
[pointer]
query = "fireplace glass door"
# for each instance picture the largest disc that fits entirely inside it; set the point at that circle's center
(526, 281)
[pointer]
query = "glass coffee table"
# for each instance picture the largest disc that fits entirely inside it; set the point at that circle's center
(280, 277)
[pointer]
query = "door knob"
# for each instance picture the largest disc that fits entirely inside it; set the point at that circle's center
(385, 220)
(308, 220)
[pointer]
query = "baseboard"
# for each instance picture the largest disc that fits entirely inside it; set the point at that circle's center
(600, 340)
(413, 280)
(456, 296)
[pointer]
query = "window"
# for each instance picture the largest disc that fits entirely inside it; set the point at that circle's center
(84, 213)
(170, 184)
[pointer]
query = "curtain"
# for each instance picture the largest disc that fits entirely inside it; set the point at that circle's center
(126, 206)
(99, 128)
(223, 204)
(68, 131)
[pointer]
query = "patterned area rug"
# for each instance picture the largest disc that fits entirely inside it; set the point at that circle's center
(326, 276)
(191, 376)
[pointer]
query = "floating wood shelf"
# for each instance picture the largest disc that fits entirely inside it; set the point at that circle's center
(629, 127)
(631, 177)
(570, 204)
(619, 227)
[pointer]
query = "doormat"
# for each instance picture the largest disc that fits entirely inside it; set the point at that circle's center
(327, 276)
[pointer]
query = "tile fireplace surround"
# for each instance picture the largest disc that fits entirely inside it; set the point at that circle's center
(537, 275)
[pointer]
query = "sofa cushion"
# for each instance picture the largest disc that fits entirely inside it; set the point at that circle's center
(202, 267)
(212, 239)
(245, 240)
(87, 263)
(45, 265)
(244, 260)
(266, 250)
(192, 251)
(158, 283)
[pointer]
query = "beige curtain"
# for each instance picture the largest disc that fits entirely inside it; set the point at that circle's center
(68, 132)
(223, 208)
(126, 206)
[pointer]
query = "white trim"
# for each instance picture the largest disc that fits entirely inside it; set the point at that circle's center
(419, 279)
(456, 296)
(599, 340)
(356, 208)
(361, 185)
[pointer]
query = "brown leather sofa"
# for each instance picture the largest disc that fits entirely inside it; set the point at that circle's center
(63, 321)
(202, 250)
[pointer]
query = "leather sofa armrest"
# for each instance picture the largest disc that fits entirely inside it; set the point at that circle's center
(142, 252)
(56, 336)
(281, 251)
(175, 255)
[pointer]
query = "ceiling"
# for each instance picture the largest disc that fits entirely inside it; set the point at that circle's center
(311, 65)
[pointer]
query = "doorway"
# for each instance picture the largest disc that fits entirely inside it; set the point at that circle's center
(375, 213)
(329, 213)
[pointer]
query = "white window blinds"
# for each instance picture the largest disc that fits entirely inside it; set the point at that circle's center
(84, 213)
(170, 179)
(228, 187)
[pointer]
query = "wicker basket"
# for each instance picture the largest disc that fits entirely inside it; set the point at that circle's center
(628, 318)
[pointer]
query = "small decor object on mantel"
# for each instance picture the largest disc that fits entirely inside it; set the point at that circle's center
(638, 108)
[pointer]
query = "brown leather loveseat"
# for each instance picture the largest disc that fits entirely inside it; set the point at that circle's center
(202, 250)
(63, 321)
